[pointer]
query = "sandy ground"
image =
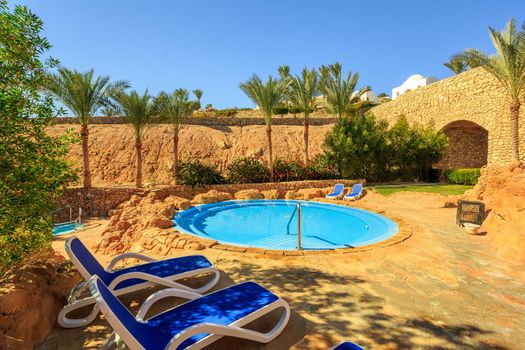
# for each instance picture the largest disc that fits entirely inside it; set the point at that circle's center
(440, 289)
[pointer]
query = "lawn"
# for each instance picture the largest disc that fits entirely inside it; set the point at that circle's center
(441, 189)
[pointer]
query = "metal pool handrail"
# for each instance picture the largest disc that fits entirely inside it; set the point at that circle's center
(299, 226)
(76, 222)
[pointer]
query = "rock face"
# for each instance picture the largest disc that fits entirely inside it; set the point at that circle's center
(31, 296)
(211, 196)
(130, 220)
(112, 150)
(502, 189)
(249, 194)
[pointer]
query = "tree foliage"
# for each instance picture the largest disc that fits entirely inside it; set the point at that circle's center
(33, 170)
(364, 147)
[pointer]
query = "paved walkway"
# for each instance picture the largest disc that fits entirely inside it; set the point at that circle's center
(440, 289)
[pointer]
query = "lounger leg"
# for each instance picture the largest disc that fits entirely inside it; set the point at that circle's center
(113, 342)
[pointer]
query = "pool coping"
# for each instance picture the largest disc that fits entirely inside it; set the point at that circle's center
(404, 233)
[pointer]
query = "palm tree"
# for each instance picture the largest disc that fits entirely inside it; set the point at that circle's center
(456, 65)
(175, 108)
(508, 67)
(84, 94)
(267, 96)
(198, 94)
(137, 109)
(338, 92)
(303, 91)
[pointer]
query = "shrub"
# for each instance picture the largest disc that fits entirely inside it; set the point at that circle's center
(247, 170)
(33, 168)
(193, 173)
(231, 112)
(288, 171)
(362, 147)
(281, 110)
(463, 176)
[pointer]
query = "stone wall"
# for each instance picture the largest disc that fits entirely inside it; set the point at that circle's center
(242, 118)
(474, 96)
(99, 201)
(468, 148)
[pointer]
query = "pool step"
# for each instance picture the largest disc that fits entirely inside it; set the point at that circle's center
(276, 242)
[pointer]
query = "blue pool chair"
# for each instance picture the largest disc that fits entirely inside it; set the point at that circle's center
(129, 279)
(337, 191)
(356, 193)
(194, 324)
(347, 346)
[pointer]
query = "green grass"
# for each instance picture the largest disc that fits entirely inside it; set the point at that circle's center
(441, 189)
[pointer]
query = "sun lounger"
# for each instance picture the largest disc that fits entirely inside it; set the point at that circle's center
(347, 346)
(356, 193)
(194, 324)
(130, 279)
(337, 192)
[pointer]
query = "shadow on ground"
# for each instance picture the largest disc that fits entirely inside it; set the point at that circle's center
(341, 307)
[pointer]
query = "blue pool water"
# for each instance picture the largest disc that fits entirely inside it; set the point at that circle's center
(272, 224)
(62, 229)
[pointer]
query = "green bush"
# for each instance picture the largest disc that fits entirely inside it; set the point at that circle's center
(288, 171)
(230, 112)
(463, 176)
(33, 166)
(362, 147)
(246, 170)
(193, 173)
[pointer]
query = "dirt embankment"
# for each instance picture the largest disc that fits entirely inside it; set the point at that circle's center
(502, 189)
(112, 148)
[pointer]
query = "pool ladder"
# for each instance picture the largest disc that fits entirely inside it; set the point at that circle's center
(76, 222)
(299, 226)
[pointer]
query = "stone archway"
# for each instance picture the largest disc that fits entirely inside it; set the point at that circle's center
(468, 145)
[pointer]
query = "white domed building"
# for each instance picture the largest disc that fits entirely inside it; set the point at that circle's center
(413, 82)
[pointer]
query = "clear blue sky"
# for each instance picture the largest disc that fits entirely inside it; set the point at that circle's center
(213, 45)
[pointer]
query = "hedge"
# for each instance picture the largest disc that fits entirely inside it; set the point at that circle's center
(463, 176)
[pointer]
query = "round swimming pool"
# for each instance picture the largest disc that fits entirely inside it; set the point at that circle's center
(273, 224)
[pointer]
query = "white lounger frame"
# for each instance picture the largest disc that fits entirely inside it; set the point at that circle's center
(215, 331)
(74, 303)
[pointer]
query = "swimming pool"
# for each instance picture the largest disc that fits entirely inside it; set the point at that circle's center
(65, 228)
(272, 224)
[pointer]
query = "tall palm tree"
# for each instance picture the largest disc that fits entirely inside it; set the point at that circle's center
(198, 94)
(84, 94)
(175, 108)
(338, 91)
(267, 96)
(284, 76)
(508, 67)
(303, 91)
(456, 65)
(137, 108)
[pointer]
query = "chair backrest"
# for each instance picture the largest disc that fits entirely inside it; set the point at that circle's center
(339, 188)
(135, 334)
(356, 189)
(84, 261)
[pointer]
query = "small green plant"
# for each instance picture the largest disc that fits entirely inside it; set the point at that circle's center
(194, 173)
(468, 176)
(247, 170)
(289, 171)
(230, 112)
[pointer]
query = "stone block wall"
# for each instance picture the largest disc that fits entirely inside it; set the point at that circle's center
(474, 96)
(99, 201)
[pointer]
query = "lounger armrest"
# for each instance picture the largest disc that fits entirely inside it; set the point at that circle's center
(129, 255)
(234, 330)
(165, 293)
(149, 278)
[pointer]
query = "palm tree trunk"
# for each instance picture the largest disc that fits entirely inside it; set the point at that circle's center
(175, 155)
(138, 147)
(514, 128)
(84, 133)
(270, 150)
(306, 126)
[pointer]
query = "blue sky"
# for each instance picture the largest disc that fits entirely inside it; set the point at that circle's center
(214, 45)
